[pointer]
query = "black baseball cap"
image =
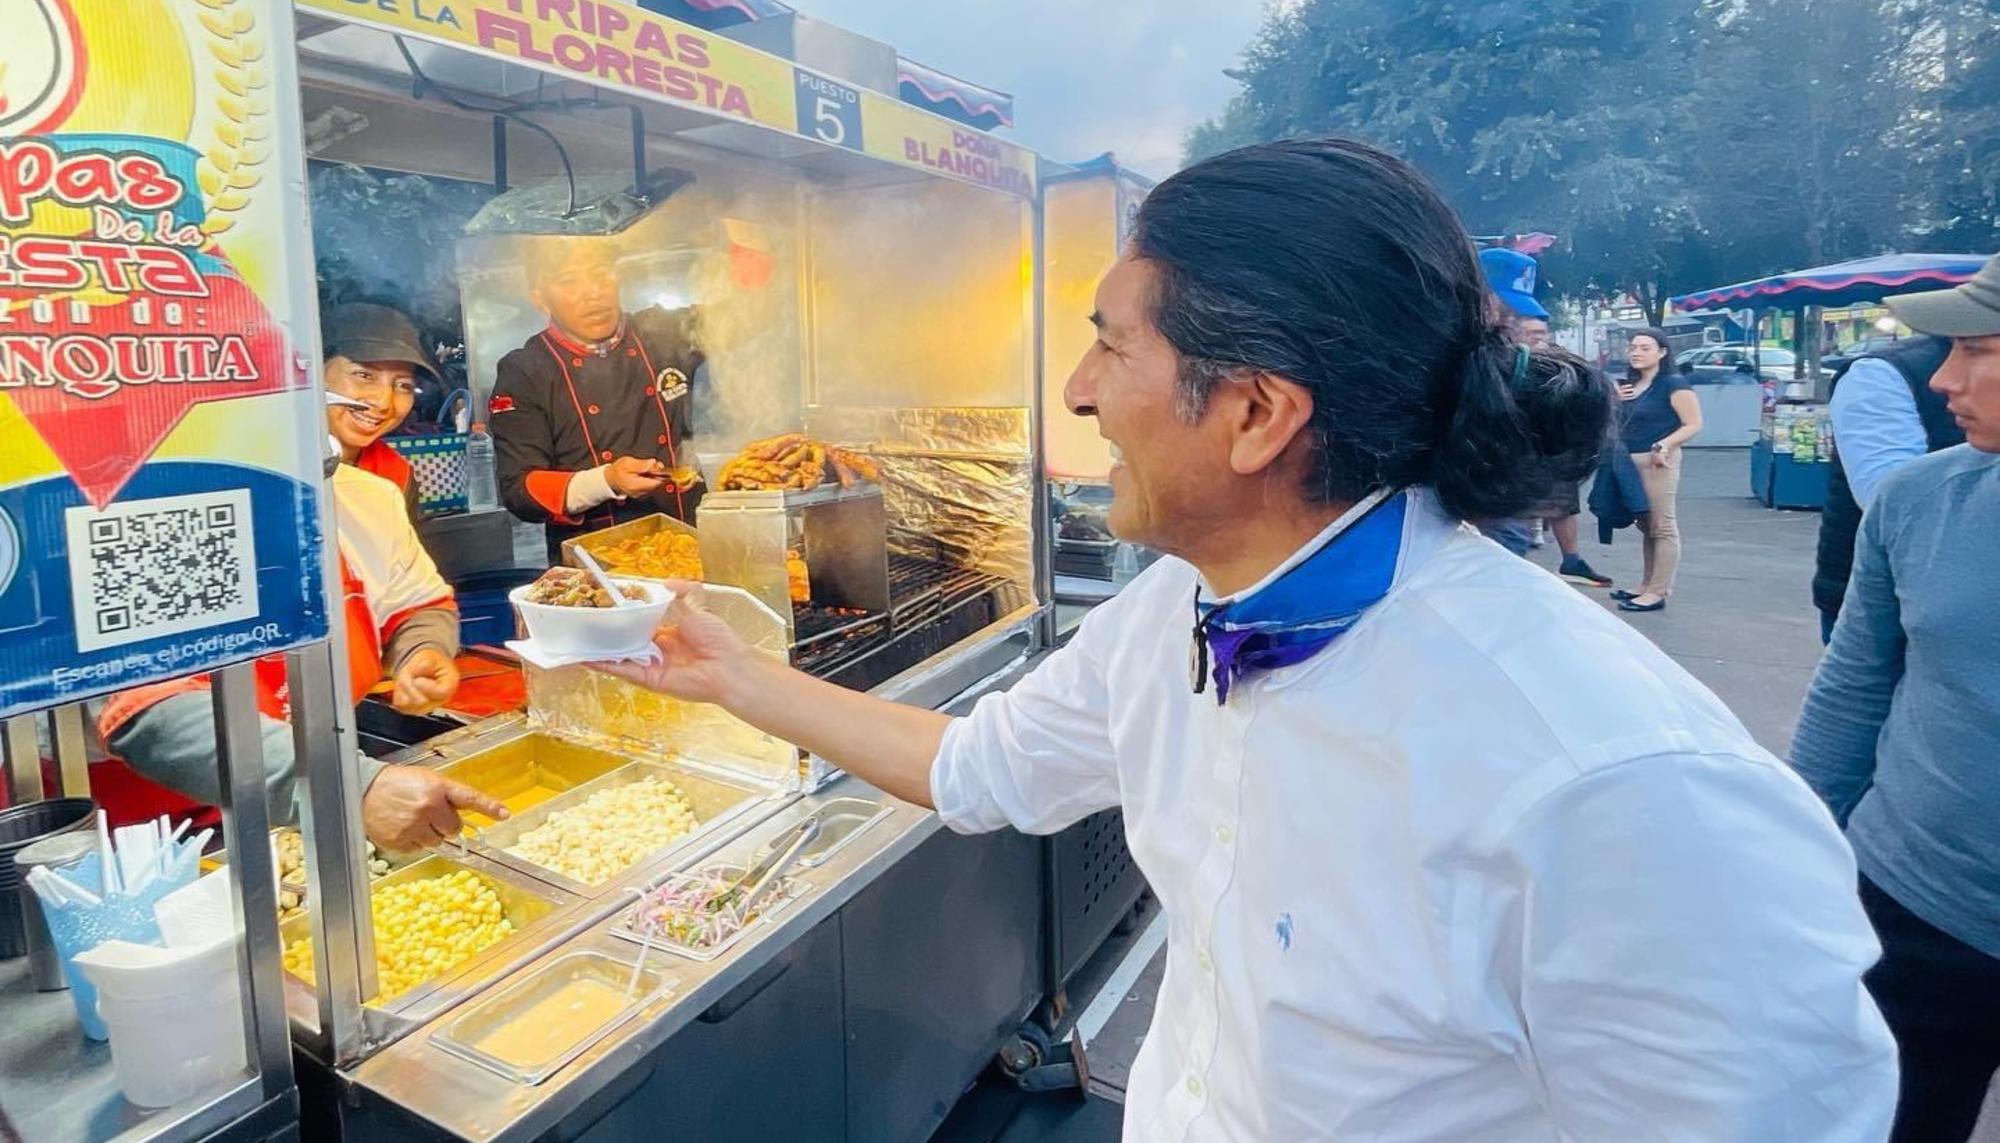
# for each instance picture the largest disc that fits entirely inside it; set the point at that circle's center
(362, 331)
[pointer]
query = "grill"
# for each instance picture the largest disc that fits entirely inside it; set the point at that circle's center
(824, 637)
(932, 605)
(814, 622)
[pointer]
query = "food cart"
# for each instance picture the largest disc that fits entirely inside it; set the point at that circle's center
(864, 276)
(1091, 882)
(867, 279)
(1791, 456)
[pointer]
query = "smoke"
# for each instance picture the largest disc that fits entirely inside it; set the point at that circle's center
(724, 252)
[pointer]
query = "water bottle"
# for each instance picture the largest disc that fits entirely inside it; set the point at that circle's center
(481, 491)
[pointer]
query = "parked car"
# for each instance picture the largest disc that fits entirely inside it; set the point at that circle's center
(1862, 348)
(1736, 364)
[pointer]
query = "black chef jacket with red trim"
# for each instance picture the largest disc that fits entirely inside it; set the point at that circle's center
(560, 407)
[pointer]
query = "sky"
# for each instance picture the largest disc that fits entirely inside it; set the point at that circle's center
(1087, 76)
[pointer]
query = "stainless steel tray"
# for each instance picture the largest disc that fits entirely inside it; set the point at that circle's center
(781, 896)
(594, 542)
(465, 1034)
(789, 498)
(525, 903)
(720, 806)
(527, 761)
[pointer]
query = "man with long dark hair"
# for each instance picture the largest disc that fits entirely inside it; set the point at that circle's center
(1446, 852)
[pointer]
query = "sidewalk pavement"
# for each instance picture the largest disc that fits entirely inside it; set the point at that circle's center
(1741, 619)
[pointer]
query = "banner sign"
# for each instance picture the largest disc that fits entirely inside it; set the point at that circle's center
(619, 46)
(160, 443)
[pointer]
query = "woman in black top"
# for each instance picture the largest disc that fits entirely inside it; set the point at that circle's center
(1658, 413)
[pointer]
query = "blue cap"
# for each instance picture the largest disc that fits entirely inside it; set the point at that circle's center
(1511, 276)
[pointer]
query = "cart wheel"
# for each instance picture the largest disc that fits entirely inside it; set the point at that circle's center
(1129, 923)
(1027, 1050)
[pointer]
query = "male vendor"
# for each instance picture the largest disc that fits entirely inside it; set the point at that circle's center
(590, 417)
(1446, 853)
(401, 622)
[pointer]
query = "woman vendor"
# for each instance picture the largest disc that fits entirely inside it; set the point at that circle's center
(402, 624)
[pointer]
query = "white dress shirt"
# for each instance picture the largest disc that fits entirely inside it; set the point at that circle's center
(1490, 868)
(1876, 426)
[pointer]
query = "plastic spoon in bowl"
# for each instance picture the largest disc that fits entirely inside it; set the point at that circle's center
(604, 581)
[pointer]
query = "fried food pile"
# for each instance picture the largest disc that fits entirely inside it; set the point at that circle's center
(573, 587)
(660, 555)
(793, 461)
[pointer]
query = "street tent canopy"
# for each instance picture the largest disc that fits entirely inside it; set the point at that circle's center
(1841, 284)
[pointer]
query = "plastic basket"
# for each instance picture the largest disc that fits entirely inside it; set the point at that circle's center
(437, 463)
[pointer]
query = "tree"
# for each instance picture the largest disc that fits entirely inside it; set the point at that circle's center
(1674, 145)
(1798, 102)
(1949, 66)
(1525, 117)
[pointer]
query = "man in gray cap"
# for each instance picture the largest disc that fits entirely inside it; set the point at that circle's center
(1901, 730)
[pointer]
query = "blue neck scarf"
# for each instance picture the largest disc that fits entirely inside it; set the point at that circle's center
(1308, 606)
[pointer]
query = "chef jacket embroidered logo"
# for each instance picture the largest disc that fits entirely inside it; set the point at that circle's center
(672, 383)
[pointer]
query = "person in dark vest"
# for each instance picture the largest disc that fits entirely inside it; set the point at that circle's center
(1885, 414)
(1901, 730)
(590, 417)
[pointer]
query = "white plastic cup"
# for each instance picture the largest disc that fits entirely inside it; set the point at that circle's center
(176, 1031)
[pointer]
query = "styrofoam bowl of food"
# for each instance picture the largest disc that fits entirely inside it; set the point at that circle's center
(567, 614)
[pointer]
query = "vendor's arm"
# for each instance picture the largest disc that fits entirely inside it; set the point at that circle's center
(1684, 950)
(409, 601)
(403, 808)
(1036, 757)
(1834, 747)
(1681, 397)
(172, 742)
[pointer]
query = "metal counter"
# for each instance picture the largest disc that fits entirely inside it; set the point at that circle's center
(412, 1088)
(414, 1080)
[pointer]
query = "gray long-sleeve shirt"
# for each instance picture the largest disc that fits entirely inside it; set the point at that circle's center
(173, 740)
(1901, 730)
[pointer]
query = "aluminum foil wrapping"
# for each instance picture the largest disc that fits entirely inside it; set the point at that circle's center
(958, 481)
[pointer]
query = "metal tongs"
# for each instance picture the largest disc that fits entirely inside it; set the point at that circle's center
(747, 890)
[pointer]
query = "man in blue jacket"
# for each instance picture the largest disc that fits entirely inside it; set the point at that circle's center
(1901, 730)
(1511, 276)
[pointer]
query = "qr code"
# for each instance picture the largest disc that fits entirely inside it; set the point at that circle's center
(149, 568)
